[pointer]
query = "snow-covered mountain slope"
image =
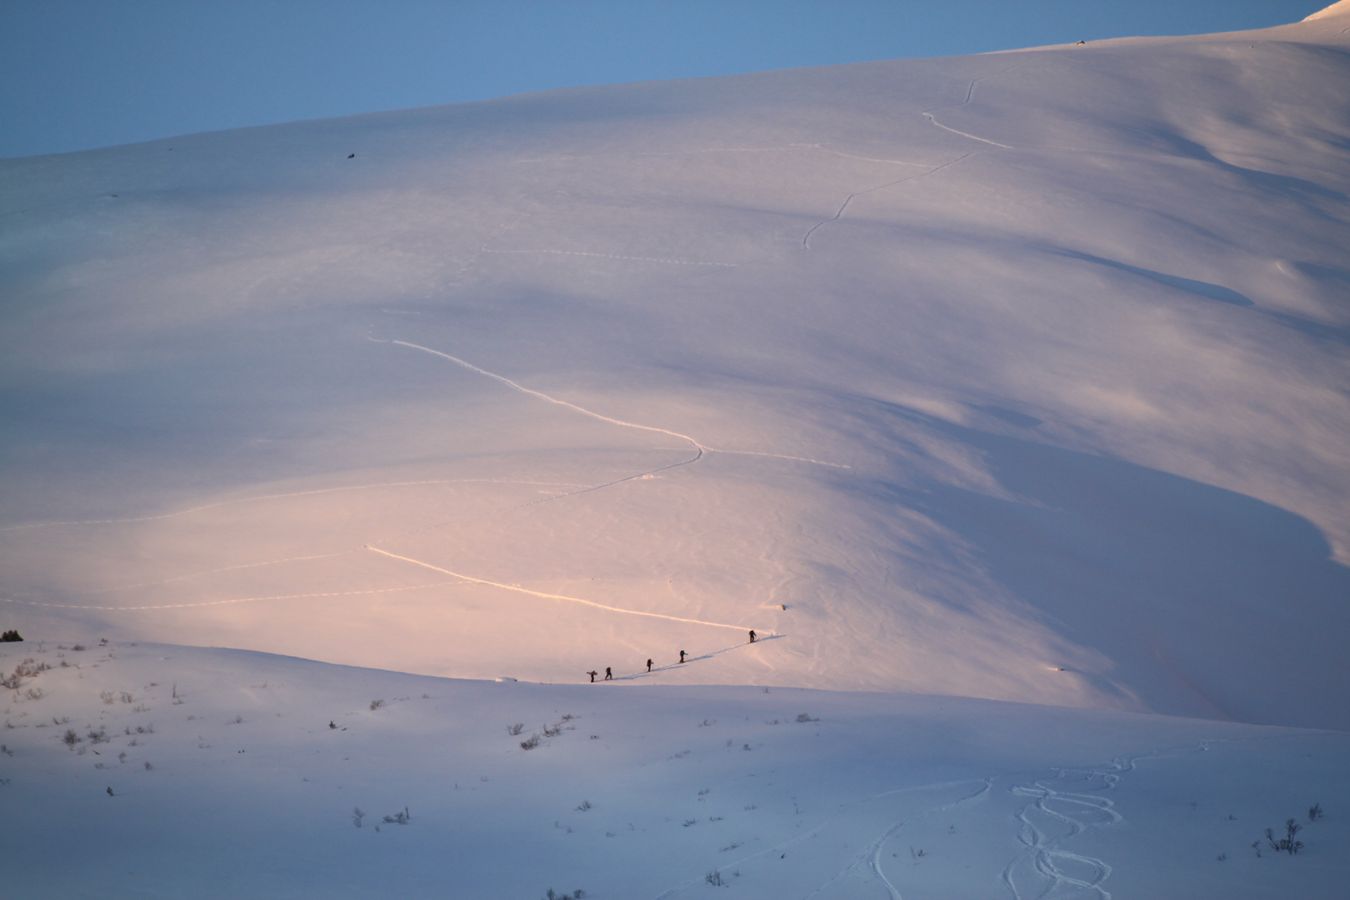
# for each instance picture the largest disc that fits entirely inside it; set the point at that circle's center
(1018, 376)
(157, 771)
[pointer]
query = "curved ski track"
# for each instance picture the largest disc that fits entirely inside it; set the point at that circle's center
(698, 446)
(806, 238)
(470, 579)
(870, 856)
(1074, 812)
(970, 95)
(932, 119)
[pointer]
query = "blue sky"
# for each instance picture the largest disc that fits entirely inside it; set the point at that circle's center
(76, 74)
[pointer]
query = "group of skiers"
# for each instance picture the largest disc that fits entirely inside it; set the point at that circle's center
(609, 671)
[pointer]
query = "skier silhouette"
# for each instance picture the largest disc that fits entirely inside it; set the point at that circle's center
(681, 656)
(649, 665)
(592, 673)
(609, 674)
(752, 635)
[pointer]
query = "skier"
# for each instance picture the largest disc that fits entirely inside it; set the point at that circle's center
(609, 674)
(752, 635)
(681, 656)
(592, 673)
(649, 666)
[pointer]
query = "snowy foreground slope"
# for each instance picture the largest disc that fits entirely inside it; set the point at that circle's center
(1019, 376)
(210, 773)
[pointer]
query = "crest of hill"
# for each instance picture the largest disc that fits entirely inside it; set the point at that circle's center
(1339, 8)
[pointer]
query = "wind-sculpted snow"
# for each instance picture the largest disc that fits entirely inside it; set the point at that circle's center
(1014, 376)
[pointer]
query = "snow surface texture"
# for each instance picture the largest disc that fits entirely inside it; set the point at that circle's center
(210, 773)
(1019, 376)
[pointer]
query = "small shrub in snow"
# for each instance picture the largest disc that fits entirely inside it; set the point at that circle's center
(10, 637)
(578, 894)
(1314, 812)
(376, 704)
(806, 717)
(402, 817)
(531, 742)
(1289, 844)
(357, 815)
(98, 735)
(714, 878)
(70, 738)
(552, 730)
(34, 693)
(515, 729)
(584, 806)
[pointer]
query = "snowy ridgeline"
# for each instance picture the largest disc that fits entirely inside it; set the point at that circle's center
(169, 771)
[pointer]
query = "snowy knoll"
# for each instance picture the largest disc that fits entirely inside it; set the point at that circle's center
(155, 771)
(1019, 376)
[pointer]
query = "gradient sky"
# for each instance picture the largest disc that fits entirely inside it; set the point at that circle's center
(76, 74)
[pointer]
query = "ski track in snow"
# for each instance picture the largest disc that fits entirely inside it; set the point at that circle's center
(806, 238)
(1073, 812)
(1059, 807)
(966, 134)
(970, 95)
(700, 447)
(929, 115)
(515, 588)
(870, 856)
